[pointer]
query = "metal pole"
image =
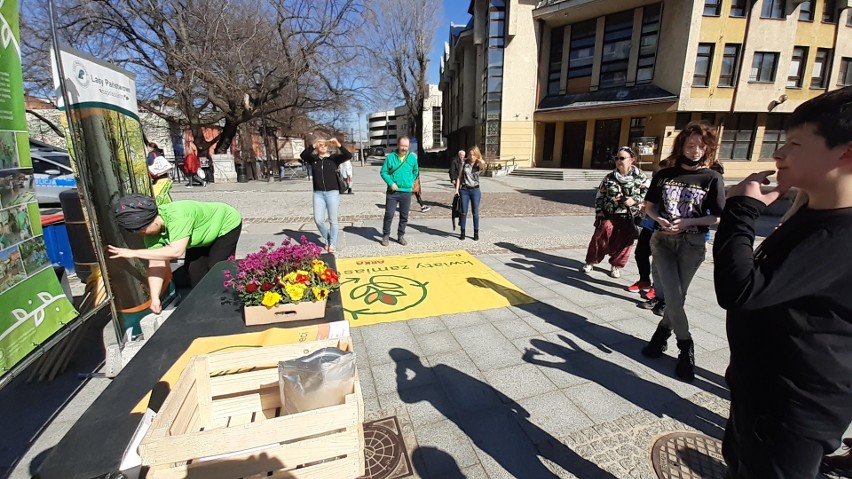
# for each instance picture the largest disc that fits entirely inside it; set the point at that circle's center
(82, 173)
(360, 141)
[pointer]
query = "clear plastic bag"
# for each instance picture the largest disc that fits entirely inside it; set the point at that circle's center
(320, 379)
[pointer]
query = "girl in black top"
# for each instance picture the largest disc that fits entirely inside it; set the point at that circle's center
(685, 201)
(326, 193)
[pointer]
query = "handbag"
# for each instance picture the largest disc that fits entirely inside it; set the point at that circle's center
(342, 185)
(160, 166)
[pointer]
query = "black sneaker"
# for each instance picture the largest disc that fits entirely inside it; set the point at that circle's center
(649, 305)
(660, 308)
(402, 241)
(385, 240)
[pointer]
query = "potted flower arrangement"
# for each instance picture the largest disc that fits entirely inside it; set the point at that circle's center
(283, 283)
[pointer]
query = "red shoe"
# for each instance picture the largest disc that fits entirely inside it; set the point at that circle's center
(650, 294)
(639, 286)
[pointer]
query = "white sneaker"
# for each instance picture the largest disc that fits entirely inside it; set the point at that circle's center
(614, 272)
(587, 268)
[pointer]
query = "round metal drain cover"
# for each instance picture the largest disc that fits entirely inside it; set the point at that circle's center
(384, 450)
(687, 455)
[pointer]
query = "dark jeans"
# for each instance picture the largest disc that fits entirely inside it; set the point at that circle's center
(469, 197)
(419, 199)
(758, 446)
(401, 200)
(643, 254)
(198, 261)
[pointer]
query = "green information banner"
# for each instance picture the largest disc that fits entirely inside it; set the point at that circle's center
(33, 305)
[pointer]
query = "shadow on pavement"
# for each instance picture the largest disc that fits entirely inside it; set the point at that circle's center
(579, 362)
(30, 407)
(494, 423)
(370, 233)
(431, 231)
(295, 235)
(437, 460)
(572, 197)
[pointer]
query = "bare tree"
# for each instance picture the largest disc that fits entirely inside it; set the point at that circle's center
(400, 34)
(197, 59)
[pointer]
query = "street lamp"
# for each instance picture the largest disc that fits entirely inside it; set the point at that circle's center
(258, 77)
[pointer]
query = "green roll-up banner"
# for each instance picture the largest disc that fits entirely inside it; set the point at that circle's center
(33, 305)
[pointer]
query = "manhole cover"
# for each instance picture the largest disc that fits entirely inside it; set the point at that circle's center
(384, 450)
(687, 455)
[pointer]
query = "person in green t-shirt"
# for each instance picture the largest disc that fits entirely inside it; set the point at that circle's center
(206, 232)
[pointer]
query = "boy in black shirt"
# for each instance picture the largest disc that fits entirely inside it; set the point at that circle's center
(789, 307)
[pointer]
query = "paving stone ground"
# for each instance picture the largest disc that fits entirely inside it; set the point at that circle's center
(552, 389)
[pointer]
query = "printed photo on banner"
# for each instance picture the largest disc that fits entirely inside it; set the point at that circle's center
(34, 255)
(11, 268)
(14, 226)
(16, 187)
(8, 150)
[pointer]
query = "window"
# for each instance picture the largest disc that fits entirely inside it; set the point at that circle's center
(763, 67)
(773, 9)
(737, 136)
(730, 65)
(739, 8)
(822, 62)
(712, 8)
(618, 31)
(703, 61)
(682, 119)
(829, 13)
(797, 67)
(436, 127)
(648, 43)
(637, 130)
(774, 136)
(581, 52)
(806, 12)
(554, 74)
(845, 78)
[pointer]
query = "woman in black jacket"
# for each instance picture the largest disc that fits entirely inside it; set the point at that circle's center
(324, 166)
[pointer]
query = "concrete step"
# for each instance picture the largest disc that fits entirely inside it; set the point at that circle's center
(560, 174)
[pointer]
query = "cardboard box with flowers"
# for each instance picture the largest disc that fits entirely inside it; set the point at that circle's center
(285, 283)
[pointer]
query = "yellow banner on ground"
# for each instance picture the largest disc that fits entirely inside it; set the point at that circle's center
(397, 288)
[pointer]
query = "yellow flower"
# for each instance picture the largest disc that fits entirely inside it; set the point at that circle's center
(295, 291)
(318, 266)
(290, 277)
(270, 299)
(320, 293)
(301, 271)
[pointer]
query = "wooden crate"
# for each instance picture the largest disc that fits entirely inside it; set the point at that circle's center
(229, 402)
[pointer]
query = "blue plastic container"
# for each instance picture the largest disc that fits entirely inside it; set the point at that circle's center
(58, 245)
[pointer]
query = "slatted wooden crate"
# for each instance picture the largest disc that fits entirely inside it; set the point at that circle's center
(228, 403)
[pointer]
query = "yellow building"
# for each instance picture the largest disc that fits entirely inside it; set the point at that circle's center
(585, 77)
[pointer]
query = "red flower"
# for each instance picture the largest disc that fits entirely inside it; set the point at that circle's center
(329, 276)
(266, 286)
(302, 278)
(251, 288)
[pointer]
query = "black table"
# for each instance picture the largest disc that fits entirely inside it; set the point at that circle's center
(94, 446)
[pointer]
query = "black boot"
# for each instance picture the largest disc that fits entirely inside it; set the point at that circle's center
(475, 235)
(685, 368)
(657, 344)
(461, 235)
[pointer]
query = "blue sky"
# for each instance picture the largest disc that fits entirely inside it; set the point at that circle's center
(455, 11)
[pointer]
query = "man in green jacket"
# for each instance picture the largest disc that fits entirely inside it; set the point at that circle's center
(207, 232)
(399, 172)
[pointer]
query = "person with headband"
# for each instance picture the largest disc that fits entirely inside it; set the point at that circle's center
(206, 232)
(617, 203)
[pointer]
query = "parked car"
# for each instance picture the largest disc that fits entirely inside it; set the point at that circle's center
(52, 174)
